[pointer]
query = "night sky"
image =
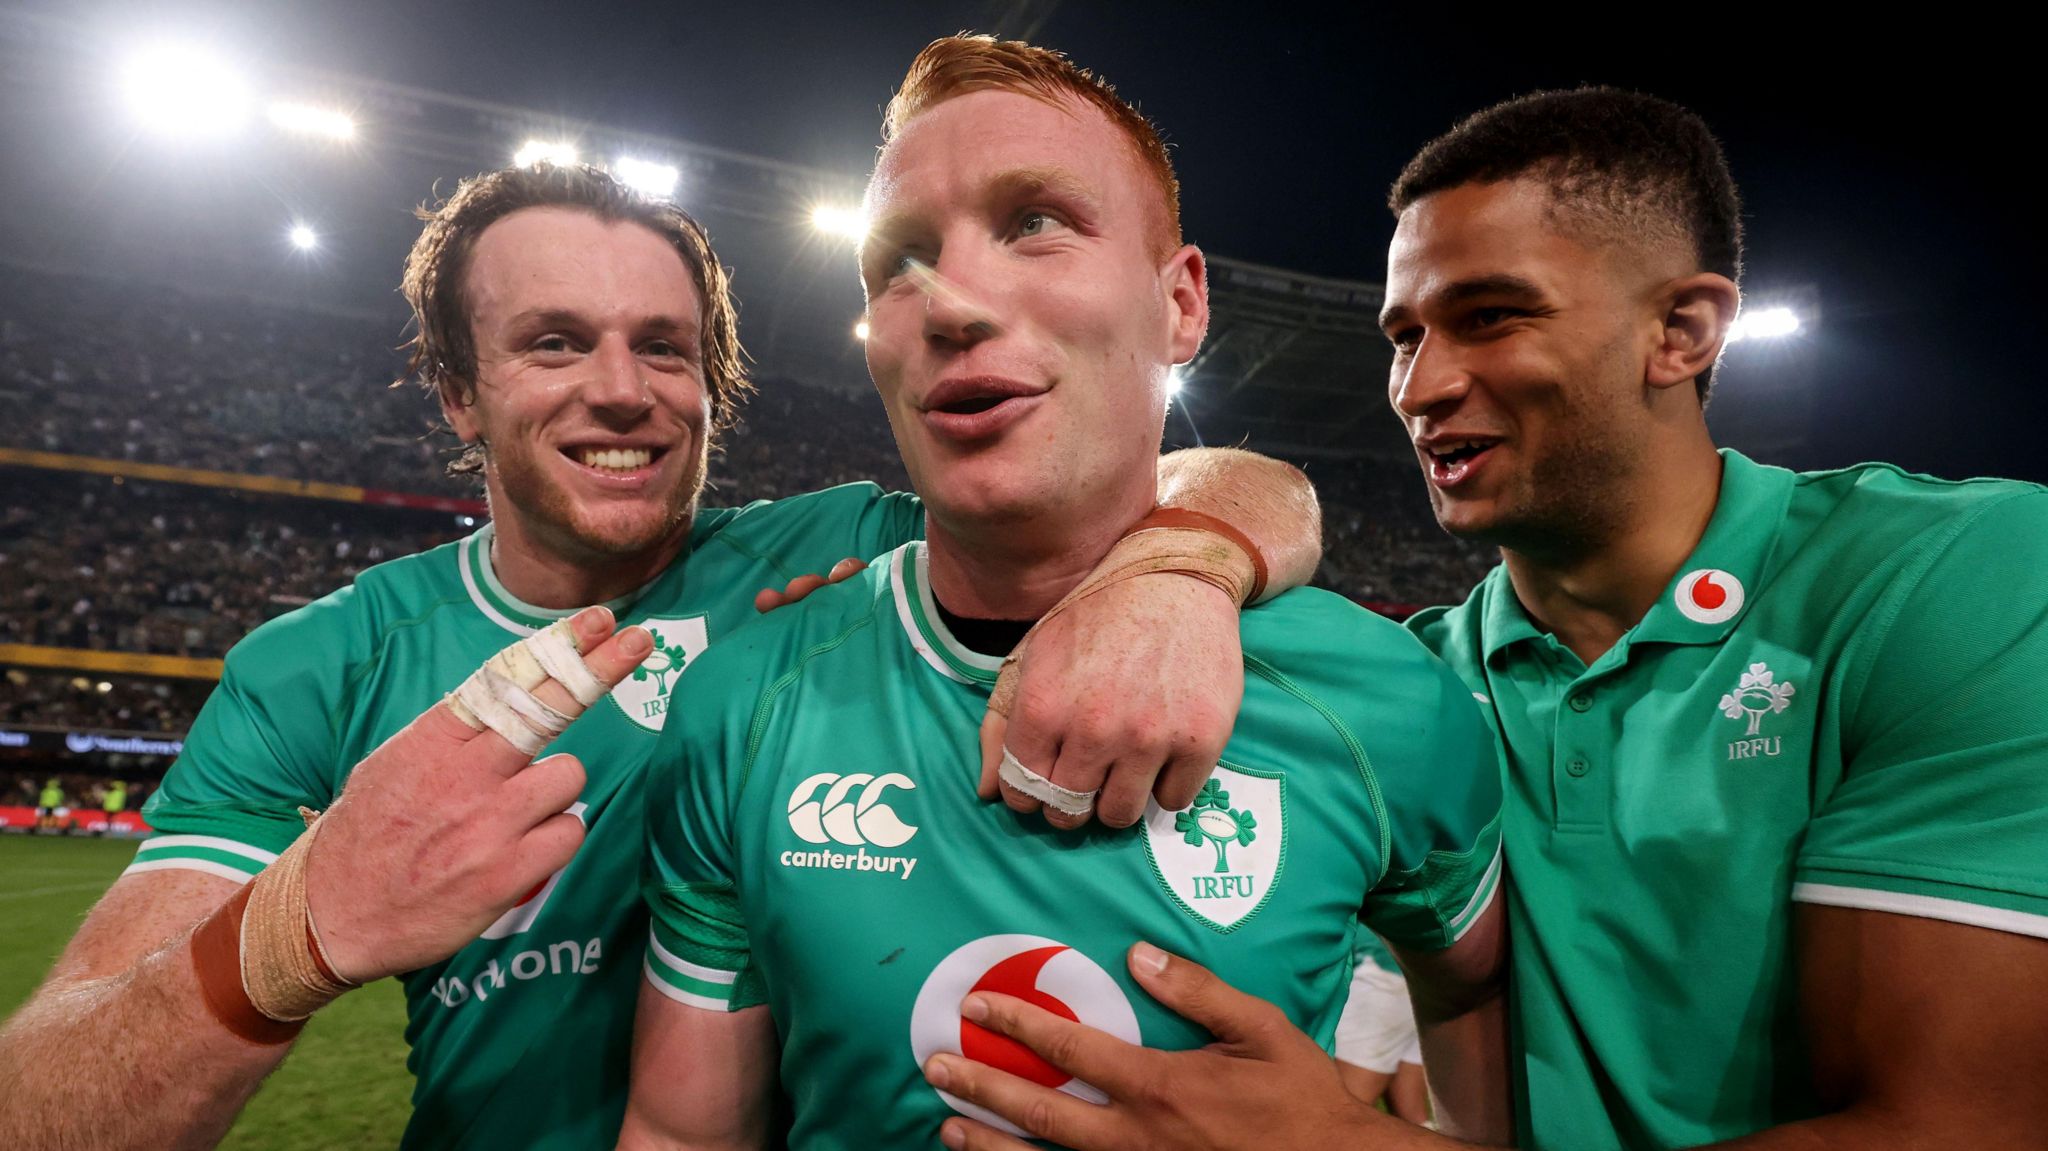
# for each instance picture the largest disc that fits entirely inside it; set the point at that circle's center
(1880, 164)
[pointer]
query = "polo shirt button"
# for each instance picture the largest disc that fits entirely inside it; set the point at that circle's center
(1582, 702)
(1577, 768)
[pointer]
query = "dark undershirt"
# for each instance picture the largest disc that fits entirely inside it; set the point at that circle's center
(984, 636)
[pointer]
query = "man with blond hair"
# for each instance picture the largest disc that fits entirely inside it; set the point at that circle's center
(830, 907)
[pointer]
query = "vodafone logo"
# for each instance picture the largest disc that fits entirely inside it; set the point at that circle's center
(848, 810)
(1040, 971)
(1709, 595)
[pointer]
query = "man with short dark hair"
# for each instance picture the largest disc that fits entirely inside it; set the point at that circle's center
(1777, 765)
(581, 340)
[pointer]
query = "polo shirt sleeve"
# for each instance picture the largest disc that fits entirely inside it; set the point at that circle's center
(1439, 779)
(1941, 808)
(262, 746)
(700, 954)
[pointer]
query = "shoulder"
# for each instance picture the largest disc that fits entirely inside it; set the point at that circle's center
(1882, 509)
(766, 519)
(346, 624)
(1373, 675)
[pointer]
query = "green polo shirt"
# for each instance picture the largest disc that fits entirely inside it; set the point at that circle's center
(1839, 700)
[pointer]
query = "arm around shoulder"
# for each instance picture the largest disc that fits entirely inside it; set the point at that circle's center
(1270, 502)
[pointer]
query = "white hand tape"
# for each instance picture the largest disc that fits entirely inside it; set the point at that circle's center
(487, 695)
(497, 695)
(1061, 799)
(555, 647)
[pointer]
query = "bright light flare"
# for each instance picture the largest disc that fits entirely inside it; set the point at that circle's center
(304, 238)
(1763, 324)
(1175, 381)
(860, 330)
(308, 120)
(850, 223)
(186, 91)
(553, 151)
(647, 177)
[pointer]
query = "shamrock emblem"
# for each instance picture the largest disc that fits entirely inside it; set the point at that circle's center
(1211, 818)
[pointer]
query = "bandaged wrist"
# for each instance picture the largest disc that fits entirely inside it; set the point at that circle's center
(1171, 540)
(1229, 572)
(499, 695)
(261, 965)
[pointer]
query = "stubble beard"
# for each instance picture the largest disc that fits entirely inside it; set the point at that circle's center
(551, 513)
(1572, 499)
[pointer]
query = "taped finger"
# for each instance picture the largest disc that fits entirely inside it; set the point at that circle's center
(1022, 779)
(499, 695)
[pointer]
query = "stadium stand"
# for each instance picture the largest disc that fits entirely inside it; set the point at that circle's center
(177, 467)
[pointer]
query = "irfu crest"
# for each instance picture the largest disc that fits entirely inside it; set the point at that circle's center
(1757, 695)
(1211, 818)
(661, 664)
(644, 695)
(1220, 859)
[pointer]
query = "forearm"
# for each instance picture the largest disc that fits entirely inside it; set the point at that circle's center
(142, 1038)
(1268, 500)
(1466, 1059)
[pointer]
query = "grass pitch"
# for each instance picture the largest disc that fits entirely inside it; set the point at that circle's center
(345, 1085)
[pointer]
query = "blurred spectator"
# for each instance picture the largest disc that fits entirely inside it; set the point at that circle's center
(33, 697)
(121, 565)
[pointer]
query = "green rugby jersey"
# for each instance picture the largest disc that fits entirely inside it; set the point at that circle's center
(816, 845)
(1839, 700)
(520, 1039)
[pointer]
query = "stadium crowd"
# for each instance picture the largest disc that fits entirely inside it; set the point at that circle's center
(121, 565)
(114, 703)
(94, 368)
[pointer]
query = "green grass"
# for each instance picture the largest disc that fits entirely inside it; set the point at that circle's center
(345, 1085)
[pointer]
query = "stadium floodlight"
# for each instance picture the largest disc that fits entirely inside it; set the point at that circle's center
(647, 177)
(1763, 324)
(860, 330)
(534, 151)
(304, 238)
(850, 223)
(184, 90)
(309, 120)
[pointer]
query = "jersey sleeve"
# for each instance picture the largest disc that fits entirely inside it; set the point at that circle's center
(700, 953)
(1941, 809)
(807, 534)
(262, 746)
(1439, 780)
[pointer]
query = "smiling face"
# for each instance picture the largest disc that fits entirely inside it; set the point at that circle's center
(590, 395)
(1022, 323)
(1519, 365)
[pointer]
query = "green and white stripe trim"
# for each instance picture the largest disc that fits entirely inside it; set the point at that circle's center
(910, 579)
(687, 982)
(208, 853)
(1482, 898)
(1923, 906)
(501, 607)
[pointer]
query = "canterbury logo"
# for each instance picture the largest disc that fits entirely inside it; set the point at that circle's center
(848, 809)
